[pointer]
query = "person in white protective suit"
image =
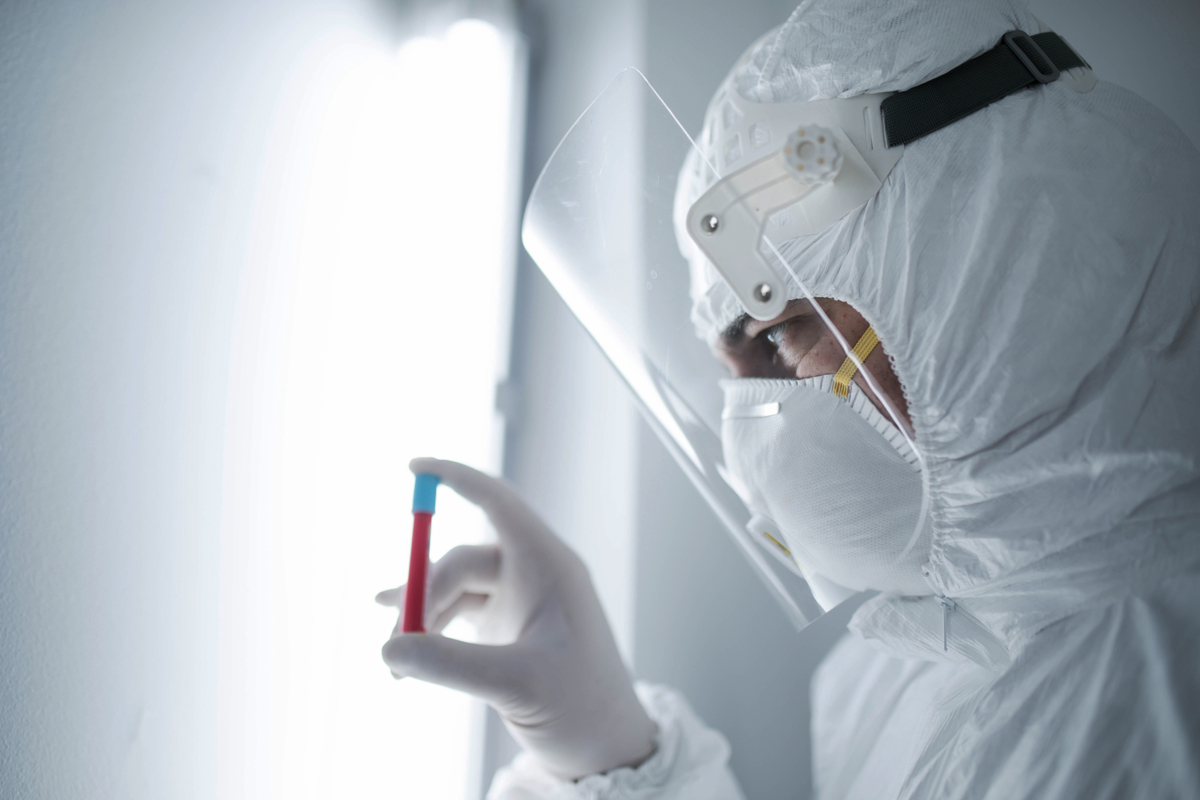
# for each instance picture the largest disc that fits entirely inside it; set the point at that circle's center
(1032, 273)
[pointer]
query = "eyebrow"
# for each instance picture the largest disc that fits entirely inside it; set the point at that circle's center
(737, 328)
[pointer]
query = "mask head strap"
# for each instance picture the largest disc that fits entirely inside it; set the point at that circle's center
(841, 379)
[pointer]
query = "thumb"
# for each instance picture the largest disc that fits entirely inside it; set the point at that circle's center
(489, 672)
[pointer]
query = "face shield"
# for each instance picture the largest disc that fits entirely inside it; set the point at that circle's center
(710, 340)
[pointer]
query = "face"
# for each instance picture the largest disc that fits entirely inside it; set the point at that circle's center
(797, 344)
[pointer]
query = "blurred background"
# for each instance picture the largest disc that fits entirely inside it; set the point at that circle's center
(256, 255)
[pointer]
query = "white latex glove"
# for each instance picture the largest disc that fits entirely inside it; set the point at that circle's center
(547, 662)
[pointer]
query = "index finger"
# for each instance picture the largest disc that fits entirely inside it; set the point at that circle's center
(508, 513)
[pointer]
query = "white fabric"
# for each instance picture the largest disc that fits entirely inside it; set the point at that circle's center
(1101, 704)
(1034, 272)
(846, 498)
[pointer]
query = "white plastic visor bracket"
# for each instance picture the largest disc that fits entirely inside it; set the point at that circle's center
(729, 221)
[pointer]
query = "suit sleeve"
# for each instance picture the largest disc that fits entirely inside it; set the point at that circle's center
(691, 761)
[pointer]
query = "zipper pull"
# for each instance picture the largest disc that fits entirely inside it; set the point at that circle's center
(948, 605)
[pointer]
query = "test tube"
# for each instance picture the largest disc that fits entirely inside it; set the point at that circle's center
(424, 500)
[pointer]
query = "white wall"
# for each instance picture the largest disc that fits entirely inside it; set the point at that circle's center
(570, 423)
(1149, 48)
(146, 221)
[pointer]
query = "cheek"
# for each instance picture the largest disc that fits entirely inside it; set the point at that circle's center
(823, 358)
(881, 369)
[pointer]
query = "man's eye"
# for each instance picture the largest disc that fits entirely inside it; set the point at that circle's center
(775, 334)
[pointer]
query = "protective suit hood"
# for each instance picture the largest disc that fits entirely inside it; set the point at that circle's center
(1032, 272)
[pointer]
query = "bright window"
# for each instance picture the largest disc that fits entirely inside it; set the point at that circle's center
(397, 316)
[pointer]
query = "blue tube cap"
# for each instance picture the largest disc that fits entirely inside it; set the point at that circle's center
(425, 492)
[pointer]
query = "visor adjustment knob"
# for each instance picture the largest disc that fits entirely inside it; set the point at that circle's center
(709, 224)
(763, 292)
(812, 155)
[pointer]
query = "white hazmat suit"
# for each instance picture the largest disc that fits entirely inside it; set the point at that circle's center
(1033, 271)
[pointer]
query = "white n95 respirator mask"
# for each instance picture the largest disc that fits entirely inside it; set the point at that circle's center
(834, 478)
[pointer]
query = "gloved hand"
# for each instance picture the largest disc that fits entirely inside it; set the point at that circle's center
(547, 661)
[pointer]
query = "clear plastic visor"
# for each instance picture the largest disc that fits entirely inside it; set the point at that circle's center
(601, 225)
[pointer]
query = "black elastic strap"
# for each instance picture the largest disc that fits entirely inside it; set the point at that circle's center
(1019, 60)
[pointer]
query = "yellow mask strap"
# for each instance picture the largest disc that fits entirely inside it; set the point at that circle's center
(841, 379)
